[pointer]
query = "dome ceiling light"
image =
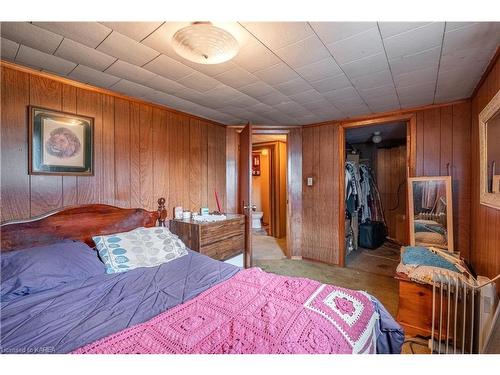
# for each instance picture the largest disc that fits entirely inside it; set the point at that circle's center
(204, 43)
(377, 138)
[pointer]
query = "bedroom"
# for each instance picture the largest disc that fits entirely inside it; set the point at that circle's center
(143, 151)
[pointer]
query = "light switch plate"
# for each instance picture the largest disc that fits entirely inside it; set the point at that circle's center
(309, 181)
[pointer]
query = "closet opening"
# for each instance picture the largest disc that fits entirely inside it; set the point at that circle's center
(269, 197)
(376, 170)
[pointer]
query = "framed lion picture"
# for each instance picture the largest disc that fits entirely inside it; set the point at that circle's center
(60, 143)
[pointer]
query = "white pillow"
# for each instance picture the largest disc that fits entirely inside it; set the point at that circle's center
(141, 247)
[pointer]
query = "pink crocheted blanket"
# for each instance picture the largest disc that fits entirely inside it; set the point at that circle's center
(255, 312)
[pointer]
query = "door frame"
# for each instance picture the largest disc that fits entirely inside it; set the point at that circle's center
(283, 131)
(411, 153)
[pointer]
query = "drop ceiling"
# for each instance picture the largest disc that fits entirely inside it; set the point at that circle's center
(389, 132)
(286, 73)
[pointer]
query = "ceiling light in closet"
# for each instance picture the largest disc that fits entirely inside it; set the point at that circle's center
(204, 43)
(377, 138)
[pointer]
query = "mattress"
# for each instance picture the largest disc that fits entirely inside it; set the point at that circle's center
(75, 315)
(65, 318)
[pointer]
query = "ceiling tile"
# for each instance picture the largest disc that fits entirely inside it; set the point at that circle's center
(236, 77)
(361, 45)
(130, 72)
(481, 35)
(382, 91)
(456, 25)
(199, 82)
(278, 34)
(416, 76)
(294, 86)
(51, 63)
(255, 56)
(164, 85)
(333, 83)
(31, 36)
(126, 49)
(319, 70)
(304, 52)
(131, 88)
(475, 58)
(9, 49)
(330, 32)
(242, 101)
(135, 30)
(316, 105)
(367, 65)
(93, 77)
(425, 89)
(426, 59)
(416, 100)
(168, 68)
(307, 97)
(382, 100)
(345, 95)
(276, 74)
(388, 29)
(415, 40)
(257, 89)
(355, 110)
(372, 80)
(190, 94)
(89, 33)
(274, 98)
(81, 54)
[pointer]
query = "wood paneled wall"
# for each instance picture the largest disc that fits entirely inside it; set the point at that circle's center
(142, 151)
(392, 185)
(485, 228)
(442, 142)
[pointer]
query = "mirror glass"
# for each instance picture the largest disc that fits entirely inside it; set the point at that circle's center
(493, 154)
(430, 213)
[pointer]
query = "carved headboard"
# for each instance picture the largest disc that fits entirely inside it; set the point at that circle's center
(77, 223)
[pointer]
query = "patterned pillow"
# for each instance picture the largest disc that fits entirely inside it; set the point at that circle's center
(141, 247)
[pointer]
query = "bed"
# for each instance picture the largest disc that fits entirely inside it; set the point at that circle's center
(193, 304)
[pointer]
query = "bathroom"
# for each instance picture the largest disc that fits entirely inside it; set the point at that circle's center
(269, 173)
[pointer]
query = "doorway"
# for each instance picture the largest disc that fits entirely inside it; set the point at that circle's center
(269, 197)
(378, 159)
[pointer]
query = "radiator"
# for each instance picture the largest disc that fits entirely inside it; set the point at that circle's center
(463, 315)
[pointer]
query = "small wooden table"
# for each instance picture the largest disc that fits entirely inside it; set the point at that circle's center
(220, 240)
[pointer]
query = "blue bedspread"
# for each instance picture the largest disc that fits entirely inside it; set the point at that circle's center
(67, 317)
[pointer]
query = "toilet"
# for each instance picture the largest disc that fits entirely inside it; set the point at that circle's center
(257, 219)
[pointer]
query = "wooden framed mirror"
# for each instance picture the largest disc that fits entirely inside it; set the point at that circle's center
(489, 158)
(430, 209)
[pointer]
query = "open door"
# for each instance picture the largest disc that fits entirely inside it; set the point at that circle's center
(245, 182)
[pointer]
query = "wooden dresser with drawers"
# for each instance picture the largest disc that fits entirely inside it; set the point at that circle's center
(220, 240)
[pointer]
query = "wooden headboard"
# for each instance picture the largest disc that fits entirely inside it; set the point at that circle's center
(77, 223)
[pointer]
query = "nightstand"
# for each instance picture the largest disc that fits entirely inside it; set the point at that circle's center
(220, 240)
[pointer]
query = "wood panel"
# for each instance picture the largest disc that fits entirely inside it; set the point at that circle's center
(108, 150)
(122, 153)
(70, 187)
(294, 206)
(391, 183)
(232, 162)
(15, 184)
(485, 238)
(142, 151)
(90, 187)
(46, 191)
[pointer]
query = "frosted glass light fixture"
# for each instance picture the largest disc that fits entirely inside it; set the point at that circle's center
(377, 138)
(204, 43)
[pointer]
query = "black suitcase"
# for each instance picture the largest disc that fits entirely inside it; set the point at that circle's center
(372, 234)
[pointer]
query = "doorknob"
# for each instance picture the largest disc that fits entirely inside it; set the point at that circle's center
(254, 207)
